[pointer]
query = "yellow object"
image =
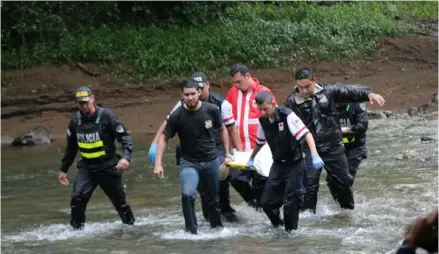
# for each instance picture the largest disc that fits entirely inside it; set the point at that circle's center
(90, 146)
(236, 165)
(82, 93)
(346, 140)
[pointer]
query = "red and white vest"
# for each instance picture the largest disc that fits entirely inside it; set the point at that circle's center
(246, 112)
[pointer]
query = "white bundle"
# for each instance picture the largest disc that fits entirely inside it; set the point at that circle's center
(262, 162)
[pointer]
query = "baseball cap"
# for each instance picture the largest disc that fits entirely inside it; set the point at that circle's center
(199, 78)
(83, 94)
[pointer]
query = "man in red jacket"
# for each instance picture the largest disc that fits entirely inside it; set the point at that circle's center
(242, 97)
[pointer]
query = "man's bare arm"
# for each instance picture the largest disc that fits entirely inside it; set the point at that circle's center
(162, 143)
(234, 134)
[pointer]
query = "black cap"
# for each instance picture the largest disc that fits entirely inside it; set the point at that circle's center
(83, 94)
(199, 78)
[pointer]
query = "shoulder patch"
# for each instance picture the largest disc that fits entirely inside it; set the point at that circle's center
(120, 129)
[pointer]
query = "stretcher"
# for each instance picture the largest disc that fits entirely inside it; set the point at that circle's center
(262, 162)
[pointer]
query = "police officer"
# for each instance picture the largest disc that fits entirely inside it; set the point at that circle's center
(207, 95)
(315, 105)
(93, 130)
(354, 123)
(196, 124)
(284, 132)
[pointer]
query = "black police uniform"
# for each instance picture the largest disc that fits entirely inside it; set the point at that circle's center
(94, 136)
(224, 189)
(354, 115)
(320, 116)
(284, 185)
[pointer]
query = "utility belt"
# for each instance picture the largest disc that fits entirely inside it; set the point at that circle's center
(100, 165)
(293, 160)
(285, 162)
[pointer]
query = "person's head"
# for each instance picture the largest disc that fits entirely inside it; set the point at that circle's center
(264, 101)
(86, 100)
(203, 84)
(305, 82)
(191, 94)
(241, 77)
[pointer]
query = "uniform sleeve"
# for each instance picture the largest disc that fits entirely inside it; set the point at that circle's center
(361, 119)
(179, 104)
(218, 120)
(344, 93)
(296, 126)
(122, 136)
(170, 128)
(71, 148)
(260, 136)
(227, 113)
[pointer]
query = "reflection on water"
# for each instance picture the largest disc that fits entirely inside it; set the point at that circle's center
(389, 191)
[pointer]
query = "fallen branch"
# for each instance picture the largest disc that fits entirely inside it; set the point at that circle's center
(86, 70)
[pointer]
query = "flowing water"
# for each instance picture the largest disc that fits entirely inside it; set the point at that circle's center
(389, 192)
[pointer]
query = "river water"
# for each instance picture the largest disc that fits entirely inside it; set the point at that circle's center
(389, 192)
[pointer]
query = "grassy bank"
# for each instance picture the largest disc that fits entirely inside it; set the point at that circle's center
(257, 35)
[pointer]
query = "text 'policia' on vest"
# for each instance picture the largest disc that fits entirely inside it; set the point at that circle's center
(88, 136)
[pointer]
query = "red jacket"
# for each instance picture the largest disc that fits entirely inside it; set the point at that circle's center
(246, 112)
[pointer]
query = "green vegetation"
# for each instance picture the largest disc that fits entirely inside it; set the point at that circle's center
(210, 36)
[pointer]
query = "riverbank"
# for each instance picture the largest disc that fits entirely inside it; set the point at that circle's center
(404, 71)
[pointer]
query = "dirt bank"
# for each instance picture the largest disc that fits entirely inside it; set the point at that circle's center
(405, 72)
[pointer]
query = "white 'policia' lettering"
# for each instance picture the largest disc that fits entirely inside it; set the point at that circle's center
(88, 137)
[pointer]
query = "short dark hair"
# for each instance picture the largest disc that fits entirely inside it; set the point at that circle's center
(304, 73)
(241, 68)
(190, 83)
(263, 97)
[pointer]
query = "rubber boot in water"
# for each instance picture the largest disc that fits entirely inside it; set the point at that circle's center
(274, 216)
(224, 199)
(126, 214)
(77, 214)
(190, 218)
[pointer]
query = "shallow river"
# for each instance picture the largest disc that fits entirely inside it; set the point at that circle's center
(389, 192)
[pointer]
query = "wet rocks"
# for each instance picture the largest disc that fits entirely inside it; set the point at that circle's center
(408, 155)
(34, 137)
(425, 139)
(423, 108)
(372, 115)
(413, 111)
(435, 99)
(388, 113)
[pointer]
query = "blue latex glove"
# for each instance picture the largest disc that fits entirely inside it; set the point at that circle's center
(151, 153)
(250, 164)
(317, 162)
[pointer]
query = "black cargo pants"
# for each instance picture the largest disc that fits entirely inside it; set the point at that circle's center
(285, 186)
(339, 179)
(86, 182)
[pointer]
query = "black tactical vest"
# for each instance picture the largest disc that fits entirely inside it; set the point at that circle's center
(347, 119)
(91, 138)
(283, 144)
